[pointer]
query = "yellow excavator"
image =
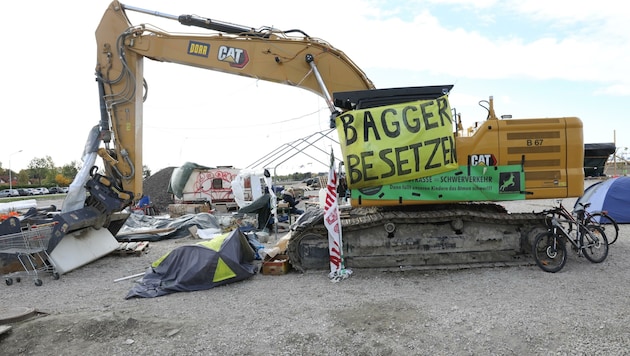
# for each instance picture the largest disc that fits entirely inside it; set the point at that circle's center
(421, 190)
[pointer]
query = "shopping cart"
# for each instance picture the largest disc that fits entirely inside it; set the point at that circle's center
(29, 246)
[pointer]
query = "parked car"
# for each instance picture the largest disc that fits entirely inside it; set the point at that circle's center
(312, 182)
(25, 191)
(9, 193)
(41, 190)
(55, 190)
(64, 189)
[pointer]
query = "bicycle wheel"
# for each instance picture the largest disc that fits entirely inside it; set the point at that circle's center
(594, 244)
(607, 223)
(550, 252)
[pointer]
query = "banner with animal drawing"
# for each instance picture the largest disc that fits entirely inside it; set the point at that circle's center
(468, 183)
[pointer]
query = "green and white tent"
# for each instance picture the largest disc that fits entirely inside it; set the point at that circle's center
(227, 258)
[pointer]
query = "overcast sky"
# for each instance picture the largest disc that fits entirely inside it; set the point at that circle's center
(537, 58)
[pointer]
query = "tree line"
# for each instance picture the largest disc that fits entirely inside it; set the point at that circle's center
(42, 172)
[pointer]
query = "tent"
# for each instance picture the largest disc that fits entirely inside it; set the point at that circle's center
(612, 195)
(224, 259)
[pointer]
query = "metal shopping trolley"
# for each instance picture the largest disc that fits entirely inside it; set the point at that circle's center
(29, 246)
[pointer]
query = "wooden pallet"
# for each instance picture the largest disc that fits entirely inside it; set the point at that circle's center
(132, 248)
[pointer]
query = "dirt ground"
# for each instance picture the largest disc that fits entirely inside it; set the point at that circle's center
(582, 310)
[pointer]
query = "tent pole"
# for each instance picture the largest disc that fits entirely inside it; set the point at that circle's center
(129, 277)
(615, 155)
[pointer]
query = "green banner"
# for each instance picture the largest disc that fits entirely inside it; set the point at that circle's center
(468, 183)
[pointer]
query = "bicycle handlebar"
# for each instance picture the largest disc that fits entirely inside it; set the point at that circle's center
(551, 211)
(584, 206)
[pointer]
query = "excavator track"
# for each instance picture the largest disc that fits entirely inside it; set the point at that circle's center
(418, 237)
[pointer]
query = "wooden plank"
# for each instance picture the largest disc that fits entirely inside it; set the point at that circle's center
(151, 231)
(132, 248)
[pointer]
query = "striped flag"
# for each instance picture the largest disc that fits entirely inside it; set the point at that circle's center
(332, 222)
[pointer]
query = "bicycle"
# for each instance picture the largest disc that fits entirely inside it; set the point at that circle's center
(550, 250)
(599, 218)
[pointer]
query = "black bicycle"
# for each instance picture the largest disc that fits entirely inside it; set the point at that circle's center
(603, 220)
(599, 218)
(550, 247)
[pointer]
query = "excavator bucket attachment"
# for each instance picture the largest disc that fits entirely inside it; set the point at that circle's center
(81, 248)
(86, 234)
(82, 243)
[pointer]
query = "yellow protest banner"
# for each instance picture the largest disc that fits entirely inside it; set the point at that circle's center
(397, 143)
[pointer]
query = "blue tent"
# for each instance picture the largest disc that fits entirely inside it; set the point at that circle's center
(612, 195)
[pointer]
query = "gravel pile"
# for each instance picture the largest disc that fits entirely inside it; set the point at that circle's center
(156, 187)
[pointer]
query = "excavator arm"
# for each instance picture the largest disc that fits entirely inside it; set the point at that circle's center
(287, 57)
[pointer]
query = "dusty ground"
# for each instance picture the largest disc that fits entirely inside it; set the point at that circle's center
(582, 310)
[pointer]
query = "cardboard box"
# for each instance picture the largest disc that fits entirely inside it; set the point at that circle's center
(276, 266)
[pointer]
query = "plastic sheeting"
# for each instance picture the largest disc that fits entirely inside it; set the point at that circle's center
(139, 227)
(75, 199)
(180, 176)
